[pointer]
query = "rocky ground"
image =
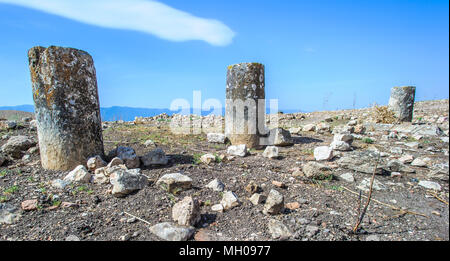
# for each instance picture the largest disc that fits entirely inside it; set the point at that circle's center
(304, 194)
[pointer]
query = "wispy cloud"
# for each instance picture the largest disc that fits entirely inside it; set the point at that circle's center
(147, 16)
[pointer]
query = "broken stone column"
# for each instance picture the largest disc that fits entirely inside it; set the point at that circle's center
(402, 102)
(66, 105)
(245, 104)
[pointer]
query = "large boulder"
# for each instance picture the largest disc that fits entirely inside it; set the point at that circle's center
(280, 137)
(216, 138)
(323, 153)
(238, 150)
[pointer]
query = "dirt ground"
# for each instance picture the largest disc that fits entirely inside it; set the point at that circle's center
(327, 210)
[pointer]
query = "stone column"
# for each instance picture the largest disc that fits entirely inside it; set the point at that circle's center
(66, 105)
(245, 104)
(402, 102)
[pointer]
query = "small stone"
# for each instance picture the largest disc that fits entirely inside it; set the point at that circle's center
(208, 159)
(323, 153)
(170, 232)
(252, 188)
(239, 150)
(257, 199)
(72, 238)
(229, 200)
(69, 205)
(278, 184)
(278, 230)
(430, 185)
(292, 205)
(149, 143)
(347, 138)
(59, 183)
(309, 127)
(95, 163)
(274, 203)
(9, 214)
(373, 238)
(348, 177)
(186, 212)
(314, 169)
(16, 145)
(295, 131)
(311, 230)
(126, 182)
(79, 174)
(406, 159)
(216, 185)
(175, 182)
(115, 162)
(216, 138)
(217, 208)
(340, 146)
(156, 157)
(280, 137)
(421, 162)
(365, 185)
(128, 156)
(271, 152)
(30, 205)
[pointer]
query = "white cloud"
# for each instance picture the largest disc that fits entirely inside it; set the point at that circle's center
(140, 15)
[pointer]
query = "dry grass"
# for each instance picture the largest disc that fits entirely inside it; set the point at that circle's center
(381, 114)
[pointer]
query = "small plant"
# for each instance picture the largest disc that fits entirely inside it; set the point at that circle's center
(11, 190)
(56, 203)
(207, 203)
(3, 172)
(3, 199)
(368, 141)
(196, 158)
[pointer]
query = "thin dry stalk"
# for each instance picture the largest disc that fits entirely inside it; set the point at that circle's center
(145, 221)
(361, 217)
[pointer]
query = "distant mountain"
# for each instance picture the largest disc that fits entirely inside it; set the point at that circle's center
(126, 113)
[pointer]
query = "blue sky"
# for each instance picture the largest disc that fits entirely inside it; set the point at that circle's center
(319, 54)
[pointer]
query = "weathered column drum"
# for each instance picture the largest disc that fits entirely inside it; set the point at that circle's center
(245, 104)
(402, 102)
(66, 105)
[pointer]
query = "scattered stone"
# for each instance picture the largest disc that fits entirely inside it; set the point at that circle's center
(257, 199)
(292, 205)
(280, 137)
(128, 156)
(323, 153)
(217, 208)
(115, 162)
(421, 162)
(216, 185)
(340, 146)
(406, 159)
(72, 238)
(311, 230)
(397, 166)
(69, 205)
(175, 182)
(295, 131)
(430, 185)
(30, 205)
(278, 230)
(208, 159)
(9, 214)
(149, 143)
(313, 169)
(171, 232)
(239, 150)
(216, 138)
(274, 203)
(60, 184)
(352, 123)
(186, 212)
(95, 163)
(347, 138)
(156, 157)
(323, 127)
(16, 145)
(348, 177)
(2, 160)
(271, 152)
(359, 129)
(278, 184)
(252, 187)
(309, 127)
(229, 200)
(79, 174)
(126, 182)
(373, 238)
(100, 179)
(365, 185)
